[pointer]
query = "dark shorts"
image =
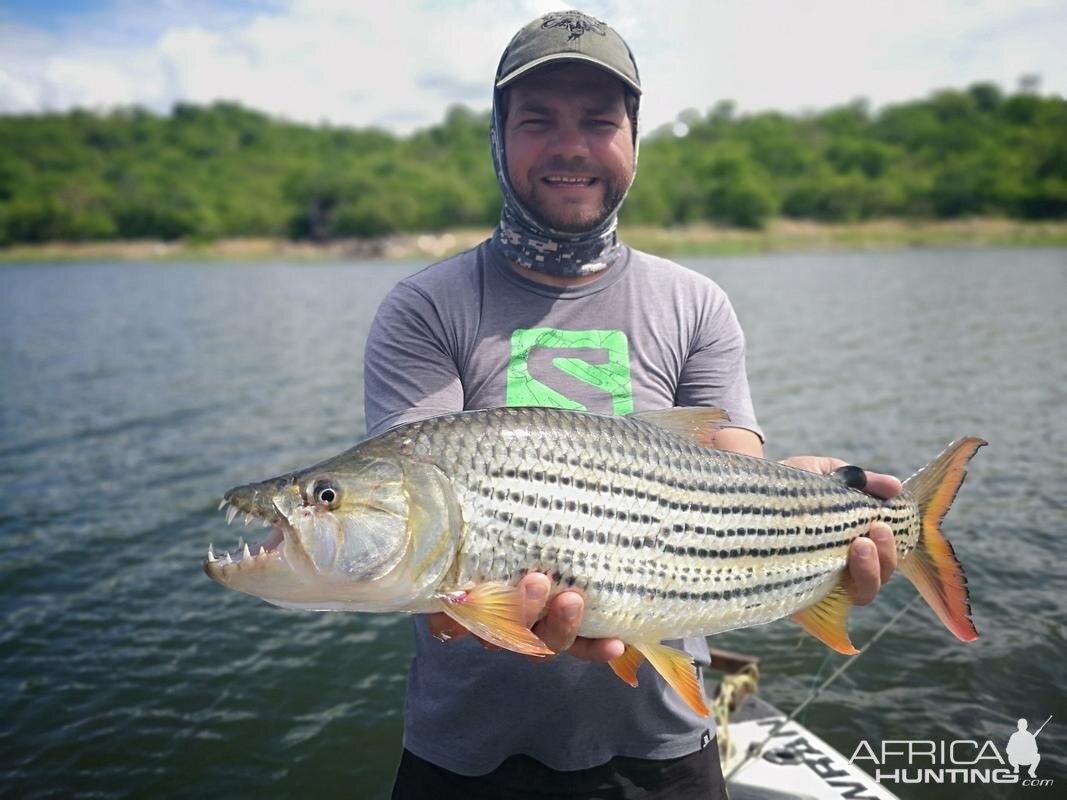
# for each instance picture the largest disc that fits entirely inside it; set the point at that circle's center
(698, 775)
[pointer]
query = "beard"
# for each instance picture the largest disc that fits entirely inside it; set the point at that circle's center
(572, 218)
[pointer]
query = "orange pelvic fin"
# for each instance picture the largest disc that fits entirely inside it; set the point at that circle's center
(933, 567)
(827, 620)
(677, 669)
(625, 666)
(494, 612)
(695, 422)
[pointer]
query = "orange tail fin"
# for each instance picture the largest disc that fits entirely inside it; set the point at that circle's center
(933, 567)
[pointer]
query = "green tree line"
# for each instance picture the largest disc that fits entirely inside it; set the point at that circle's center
(224, 170)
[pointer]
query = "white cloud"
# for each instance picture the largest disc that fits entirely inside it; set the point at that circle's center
(88, 84)
(399, 65)
(17, 96)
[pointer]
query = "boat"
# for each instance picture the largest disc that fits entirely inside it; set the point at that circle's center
(767, 755)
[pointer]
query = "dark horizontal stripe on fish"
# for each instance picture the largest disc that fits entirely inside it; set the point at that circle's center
(656, 593)
(698, 482)
(546, 502)
(753, 552)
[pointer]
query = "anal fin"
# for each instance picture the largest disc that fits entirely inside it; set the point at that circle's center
(678, 670)
(625, 666)
(827, 620)
(494, 612)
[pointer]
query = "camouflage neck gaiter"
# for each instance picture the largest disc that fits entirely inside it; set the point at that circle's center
(527, 241)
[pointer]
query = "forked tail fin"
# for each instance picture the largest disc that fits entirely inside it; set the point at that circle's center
(933, 567)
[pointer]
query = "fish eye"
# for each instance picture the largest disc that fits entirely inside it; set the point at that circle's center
(327, 493)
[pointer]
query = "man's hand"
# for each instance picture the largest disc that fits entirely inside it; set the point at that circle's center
(555, 622)
(870, 561)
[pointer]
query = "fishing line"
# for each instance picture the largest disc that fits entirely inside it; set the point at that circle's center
(756, 748)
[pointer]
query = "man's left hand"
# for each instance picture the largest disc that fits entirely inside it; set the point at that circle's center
(870, 560)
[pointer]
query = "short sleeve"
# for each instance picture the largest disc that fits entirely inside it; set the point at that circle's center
(714, 372)
(409, 369)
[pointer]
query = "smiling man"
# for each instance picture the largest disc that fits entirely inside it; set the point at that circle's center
(554, 310)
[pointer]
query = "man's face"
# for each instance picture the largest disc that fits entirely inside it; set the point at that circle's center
(569, 145)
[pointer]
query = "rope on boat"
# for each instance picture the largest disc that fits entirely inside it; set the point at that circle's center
(745, 681)
(756, 748)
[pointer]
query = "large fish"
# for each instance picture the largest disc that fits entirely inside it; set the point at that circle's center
(665, 536)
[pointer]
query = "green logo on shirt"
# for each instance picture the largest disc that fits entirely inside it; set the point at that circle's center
(612, 377)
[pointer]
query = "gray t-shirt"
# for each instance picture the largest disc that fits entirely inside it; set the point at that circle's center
(470, 332)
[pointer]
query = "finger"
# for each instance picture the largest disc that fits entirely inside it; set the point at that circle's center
(882, 536)
(884, 486)
(535, 587)
(599, 650)
(444, 628)
(560, 626)
(863, 571)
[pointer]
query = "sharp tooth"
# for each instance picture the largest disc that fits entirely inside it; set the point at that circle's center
(223, 503)
(262, 551)
(228, 560)
(231, 512)
(211, 555)
(245, 553)
(248, 518)
(264, 523)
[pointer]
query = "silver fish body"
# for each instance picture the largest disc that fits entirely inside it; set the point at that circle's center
(664, 537)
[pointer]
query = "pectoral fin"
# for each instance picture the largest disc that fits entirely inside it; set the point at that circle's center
(677, 669)
(626, 665)
(827, 620)
(493, 611)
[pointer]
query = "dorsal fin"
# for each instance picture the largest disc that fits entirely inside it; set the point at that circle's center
(693, 422)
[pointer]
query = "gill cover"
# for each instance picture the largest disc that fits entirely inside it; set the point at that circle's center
(377, 535)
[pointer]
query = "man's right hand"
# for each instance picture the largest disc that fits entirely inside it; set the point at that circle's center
(555, 622)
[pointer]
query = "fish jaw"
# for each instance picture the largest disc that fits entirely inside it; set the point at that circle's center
(274, 569)
(384, 541)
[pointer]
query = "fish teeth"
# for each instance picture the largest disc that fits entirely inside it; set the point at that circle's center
(227, 560)
(223, 503)
(264, 523)
(231, 512)
(262, 551)
(248, 518)
(211, 554)
(245, 553)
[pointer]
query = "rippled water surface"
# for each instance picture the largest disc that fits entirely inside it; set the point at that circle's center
(133, 395)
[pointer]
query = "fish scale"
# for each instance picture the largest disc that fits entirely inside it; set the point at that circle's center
(664, 535)
(633, 514)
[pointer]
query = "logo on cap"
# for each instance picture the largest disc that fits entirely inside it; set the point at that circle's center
(577, 23)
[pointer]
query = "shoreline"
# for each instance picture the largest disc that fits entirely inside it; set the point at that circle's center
(780, 236)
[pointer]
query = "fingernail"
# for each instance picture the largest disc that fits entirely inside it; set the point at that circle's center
(864, 550)
(571, 612)
(880, 535)
(536, 592)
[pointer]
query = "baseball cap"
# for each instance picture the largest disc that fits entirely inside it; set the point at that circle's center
(568, 36)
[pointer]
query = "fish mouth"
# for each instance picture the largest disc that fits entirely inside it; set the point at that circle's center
(246, 558)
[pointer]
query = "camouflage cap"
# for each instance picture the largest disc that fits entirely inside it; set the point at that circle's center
(568, 36)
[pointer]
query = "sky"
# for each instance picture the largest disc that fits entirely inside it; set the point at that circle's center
(399, 65)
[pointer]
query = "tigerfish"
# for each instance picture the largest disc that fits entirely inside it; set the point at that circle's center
(665, 536)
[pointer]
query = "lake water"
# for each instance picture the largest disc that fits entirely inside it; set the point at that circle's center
(133, 395)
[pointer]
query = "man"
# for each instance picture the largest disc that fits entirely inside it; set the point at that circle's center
(553, 310)
(1022, 749)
